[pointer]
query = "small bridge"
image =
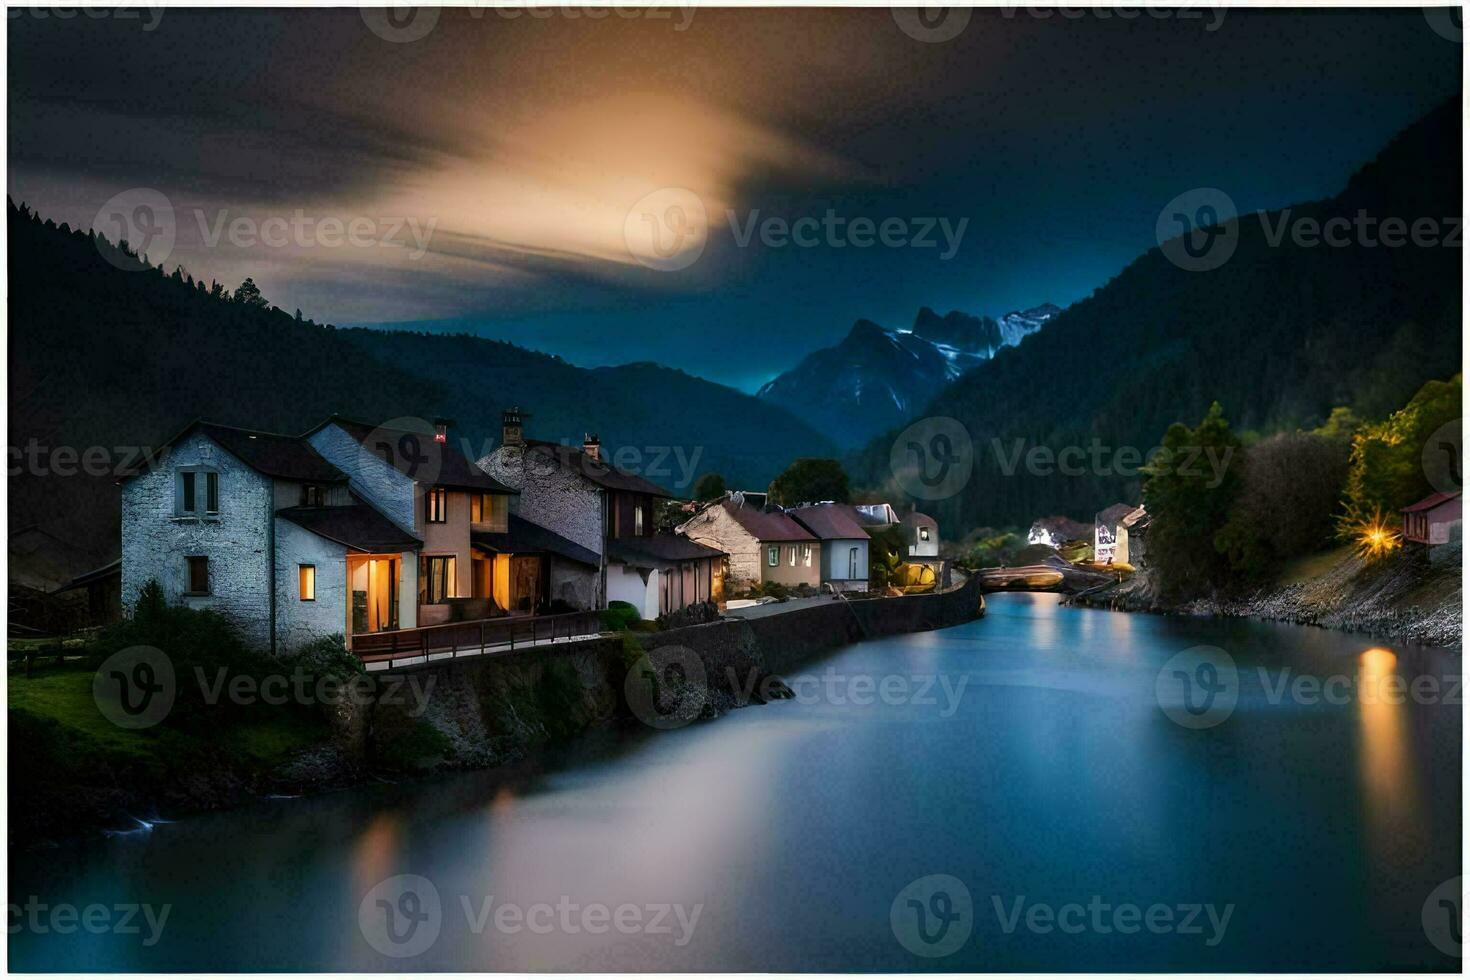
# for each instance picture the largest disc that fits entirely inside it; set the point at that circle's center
(1042, 578)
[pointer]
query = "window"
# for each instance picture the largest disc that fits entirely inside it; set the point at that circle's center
(852, 563)
(806, 555)
(488, 508)
(188, 491)
(436, 505)
(638, 519)
(311, 495)
(924, 533)
(198, 575)
(306, 575)
(791, 555)
(773, 555)
(436, 578)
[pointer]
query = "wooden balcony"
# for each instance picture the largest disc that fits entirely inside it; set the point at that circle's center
(502, 636)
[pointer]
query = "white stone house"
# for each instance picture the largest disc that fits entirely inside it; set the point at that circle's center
(263, 529)
(606, 512)
(1111, 533)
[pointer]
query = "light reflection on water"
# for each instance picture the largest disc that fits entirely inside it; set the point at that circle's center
(794, 825)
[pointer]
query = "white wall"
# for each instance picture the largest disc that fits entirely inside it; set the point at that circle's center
(629, 585)
(156, 541)
(835, 554)
(299, 622)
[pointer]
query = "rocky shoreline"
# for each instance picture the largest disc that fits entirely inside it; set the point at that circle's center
(1403, 599)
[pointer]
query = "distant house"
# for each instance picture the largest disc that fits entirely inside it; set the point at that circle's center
(607, 513)
(920, 534)
(1057, 531)
(844, 561)
(1435, 520)
(1111, 533)
(763, 545)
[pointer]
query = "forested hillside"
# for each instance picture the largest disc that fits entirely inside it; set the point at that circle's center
(1279, 335)
(106, 352)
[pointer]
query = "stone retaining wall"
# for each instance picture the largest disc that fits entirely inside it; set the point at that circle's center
(489, 710)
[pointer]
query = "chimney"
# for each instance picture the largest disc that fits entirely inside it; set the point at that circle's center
(510, 428)
(592, 447)
(441, 430)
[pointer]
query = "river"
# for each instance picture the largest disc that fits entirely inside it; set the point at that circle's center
(1026, 756)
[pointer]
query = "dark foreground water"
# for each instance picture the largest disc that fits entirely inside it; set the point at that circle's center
(1025, 756)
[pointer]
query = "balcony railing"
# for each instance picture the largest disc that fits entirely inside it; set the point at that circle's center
(473, 638)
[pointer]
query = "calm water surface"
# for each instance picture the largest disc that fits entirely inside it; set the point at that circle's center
(794, 826)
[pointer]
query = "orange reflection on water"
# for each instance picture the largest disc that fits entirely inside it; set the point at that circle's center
(375, 853)
(1386, 754)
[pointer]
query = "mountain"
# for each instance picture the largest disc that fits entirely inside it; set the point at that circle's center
(111, 356)
(1287, 328)
(876, 378)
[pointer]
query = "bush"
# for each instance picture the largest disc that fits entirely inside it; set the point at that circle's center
(618, 615)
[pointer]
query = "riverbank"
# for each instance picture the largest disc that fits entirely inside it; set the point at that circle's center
(75, 773)
(1404, 598)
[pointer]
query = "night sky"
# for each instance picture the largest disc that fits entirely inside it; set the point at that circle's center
(528, 142)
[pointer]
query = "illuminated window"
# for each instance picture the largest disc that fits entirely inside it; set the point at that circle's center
(436, 505)
(806, 555)
(488, 508)
(306, 575)
(923, 534)
(638, 519)
(791, 555)
(773, 555)
(198, 575)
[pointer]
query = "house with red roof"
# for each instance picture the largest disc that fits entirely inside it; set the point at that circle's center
(764, 545)
(1435, 520)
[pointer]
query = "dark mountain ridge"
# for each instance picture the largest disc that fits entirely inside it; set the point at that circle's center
(108, 352)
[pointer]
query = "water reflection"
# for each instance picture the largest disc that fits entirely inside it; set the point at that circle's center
(794, 825)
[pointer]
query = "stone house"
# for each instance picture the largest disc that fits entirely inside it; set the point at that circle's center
(263, 529)
(607, 513)
(844, 561)
(762, 545)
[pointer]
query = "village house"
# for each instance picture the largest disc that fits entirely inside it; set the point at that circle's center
(844, 555)
(1113, 532)
(429, 489)
(1433, 521)
(764, 546)
(263, 529)
(607, 513)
